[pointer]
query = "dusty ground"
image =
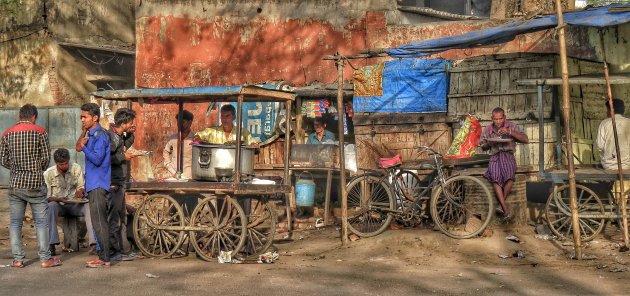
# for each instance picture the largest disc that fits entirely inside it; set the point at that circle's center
(401, 262)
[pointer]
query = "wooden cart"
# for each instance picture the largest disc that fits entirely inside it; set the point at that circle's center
(235, 217)
(593, 208)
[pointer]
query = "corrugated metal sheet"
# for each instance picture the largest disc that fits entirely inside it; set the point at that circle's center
(63, 126)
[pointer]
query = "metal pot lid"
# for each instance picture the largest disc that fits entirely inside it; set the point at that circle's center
(220, 146)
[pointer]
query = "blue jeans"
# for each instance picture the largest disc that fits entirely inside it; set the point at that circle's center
(18, 198)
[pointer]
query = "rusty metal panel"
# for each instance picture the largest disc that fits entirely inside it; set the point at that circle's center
(63, 125)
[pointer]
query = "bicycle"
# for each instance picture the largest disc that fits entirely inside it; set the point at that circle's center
(460, 206)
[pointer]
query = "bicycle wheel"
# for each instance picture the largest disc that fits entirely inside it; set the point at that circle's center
(408, 184)
(462, 208)
(558, 212)
(370, 205)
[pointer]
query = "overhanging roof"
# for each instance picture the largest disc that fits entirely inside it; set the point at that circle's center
(594, 17)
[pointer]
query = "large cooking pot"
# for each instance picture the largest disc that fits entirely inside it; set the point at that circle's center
(212, 162)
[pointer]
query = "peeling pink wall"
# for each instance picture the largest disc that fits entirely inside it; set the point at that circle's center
(181, 52)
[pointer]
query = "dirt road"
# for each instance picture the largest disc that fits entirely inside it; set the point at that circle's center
(401, 262)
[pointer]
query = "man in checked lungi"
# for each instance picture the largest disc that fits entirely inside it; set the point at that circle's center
(500, 138)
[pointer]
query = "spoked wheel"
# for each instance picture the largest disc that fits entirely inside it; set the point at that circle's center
(155, 226)
(408, 183)
(558, 212)
(462, 208)
(370, 205)
(261, 225)
(221, 226)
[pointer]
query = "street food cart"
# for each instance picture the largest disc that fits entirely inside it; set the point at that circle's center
(233, 214)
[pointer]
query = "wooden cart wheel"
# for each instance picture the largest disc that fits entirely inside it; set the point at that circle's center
(154, 223)
(223, 224)
(558, 212)
(261, 225)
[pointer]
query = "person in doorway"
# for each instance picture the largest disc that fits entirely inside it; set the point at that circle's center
(171, 150)
(25, 152)
(120, 139)
(606, 140)
(321, 134)
(226, 133)
(66, 188)
(94, 143)
(500, 139)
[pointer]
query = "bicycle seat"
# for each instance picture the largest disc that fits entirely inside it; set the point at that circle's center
(390, 162)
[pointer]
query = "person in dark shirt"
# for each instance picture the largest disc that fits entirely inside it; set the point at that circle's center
(25, 151)
(120, 139)
(94, 143)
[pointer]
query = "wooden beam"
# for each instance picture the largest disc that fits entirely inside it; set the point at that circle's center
(101, 78)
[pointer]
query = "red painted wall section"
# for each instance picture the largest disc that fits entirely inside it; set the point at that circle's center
(176, 52)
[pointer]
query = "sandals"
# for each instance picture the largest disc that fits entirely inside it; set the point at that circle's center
(17, 264)
(52, 262)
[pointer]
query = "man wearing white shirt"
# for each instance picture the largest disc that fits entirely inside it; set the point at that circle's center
(606, 140)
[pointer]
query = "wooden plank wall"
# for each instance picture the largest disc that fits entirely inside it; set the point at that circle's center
(399, 133)
(588, 110)
(480, 84)
(270, 156)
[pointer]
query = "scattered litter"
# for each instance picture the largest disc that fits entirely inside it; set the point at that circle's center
(545, 236)
(5, 265)
(567, 243)
(602, 266)
(225, 257)
(503, 256)
(319, 257)
(584, 256)
(514, 238)
(620, 269)
(319, 223)
(152, 276)
(353, 237)
(518, 254)
(496, 273)
(299, 237)
(620, 260)
(339, 260)
(460, 274)
(268, 257)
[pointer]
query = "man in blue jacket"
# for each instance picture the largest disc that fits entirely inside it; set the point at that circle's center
(94, 142)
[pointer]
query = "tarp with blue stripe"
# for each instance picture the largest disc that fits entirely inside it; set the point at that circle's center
(594, 17)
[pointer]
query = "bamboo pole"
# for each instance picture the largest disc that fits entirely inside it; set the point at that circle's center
(180, 140)
(340, 63)
(566, 112)
(620, 195)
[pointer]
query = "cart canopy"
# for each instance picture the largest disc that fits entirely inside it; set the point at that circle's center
(197, 94)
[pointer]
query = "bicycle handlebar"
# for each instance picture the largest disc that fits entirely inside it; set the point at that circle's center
(429, 149)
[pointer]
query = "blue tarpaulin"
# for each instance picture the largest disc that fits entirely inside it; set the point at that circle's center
(412, 85)
(594, 17)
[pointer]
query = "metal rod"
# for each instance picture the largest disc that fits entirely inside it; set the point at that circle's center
(239, 124)
(180, 141)
(340, 63)
(621, 192)
(287, 177)
(566, 112)
(327, 200)
(541, 131)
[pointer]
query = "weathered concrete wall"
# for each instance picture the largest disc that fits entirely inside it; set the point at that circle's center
(103, 23)
(35, 69)
(25, 65)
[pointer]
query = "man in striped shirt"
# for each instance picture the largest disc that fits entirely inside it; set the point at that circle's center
(24, 150)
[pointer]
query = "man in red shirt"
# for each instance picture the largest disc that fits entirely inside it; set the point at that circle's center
(24, 150)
